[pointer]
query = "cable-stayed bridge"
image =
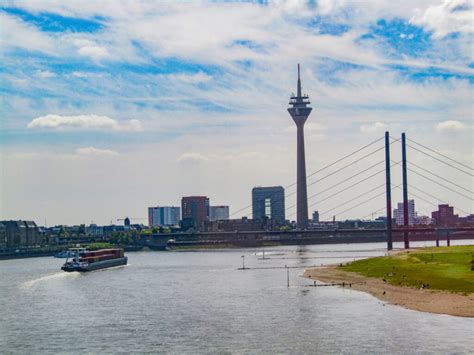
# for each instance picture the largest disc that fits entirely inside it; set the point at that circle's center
(365, 179)
(343, 186)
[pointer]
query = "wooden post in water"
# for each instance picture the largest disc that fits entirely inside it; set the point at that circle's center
(287, 276)
(243, 262)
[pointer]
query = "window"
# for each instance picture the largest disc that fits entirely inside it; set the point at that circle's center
(268, 208)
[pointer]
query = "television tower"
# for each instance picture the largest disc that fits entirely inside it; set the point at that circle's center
(300, 112)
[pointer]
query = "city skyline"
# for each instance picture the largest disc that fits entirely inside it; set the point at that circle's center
(102, 118)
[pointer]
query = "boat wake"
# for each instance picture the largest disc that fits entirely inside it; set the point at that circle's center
(56, 276)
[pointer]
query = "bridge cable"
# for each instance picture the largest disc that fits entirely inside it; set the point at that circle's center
(361, 203)
(442, 161)
(326, 167)
(435, 197)
(446, 187)
(374, 212)
(341, 159)
(365, 179)
(445, 156)
(440, 177)
(343, 181)
(346, 166)
(353, 199)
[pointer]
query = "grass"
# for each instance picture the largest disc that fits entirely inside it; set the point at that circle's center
(98, 245)
(443, 268)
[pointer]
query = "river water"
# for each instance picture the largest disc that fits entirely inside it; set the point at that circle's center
(200, 302)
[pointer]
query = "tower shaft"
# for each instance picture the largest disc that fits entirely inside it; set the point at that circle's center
(302, 192)
(300, 112)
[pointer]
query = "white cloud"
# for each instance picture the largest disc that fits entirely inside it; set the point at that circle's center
(96, 53)
(192, 158)
(449, 17)
(90, 49)
(200, 34)
(84, 122)
(450, 126)
(18, 34)
(92, 151)
(45, 74)
(373, 127)
(178, 30)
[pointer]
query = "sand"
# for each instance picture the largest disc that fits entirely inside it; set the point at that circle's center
(423, 300)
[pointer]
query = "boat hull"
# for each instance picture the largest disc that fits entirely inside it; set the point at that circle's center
(96, 265)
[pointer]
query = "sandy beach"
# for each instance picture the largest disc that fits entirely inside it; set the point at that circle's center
(418, 299)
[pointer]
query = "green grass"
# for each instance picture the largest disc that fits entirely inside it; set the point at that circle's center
(444, 268)
(98, 245)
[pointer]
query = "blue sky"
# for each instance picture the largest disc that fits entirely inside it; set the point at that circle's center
(153, 89)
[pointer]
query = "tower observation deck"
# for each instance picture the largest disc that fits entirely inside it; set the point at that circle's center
(300, 111)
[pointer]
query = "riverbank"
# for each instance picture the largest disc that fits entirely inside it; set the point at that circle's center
(435, 280)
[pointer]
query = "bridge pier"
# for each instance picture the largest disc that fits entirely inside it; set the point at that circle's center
(405, 193)
(388, 187)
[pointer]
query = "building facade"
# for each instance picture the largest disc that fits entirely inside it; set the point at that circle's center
(20, 233)
(194, 209)
(164, 216)
(218, 213)
(445, 216)
(268, 203)
(399, 216)
(3, 236)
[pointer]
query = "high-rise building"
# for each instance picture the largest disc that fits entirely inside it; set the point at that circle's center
(218, 213)
(316, 217)
(445, 216)
(163, 216)
(269, 203)
(300, 112)
(399, 216)
(195, 208)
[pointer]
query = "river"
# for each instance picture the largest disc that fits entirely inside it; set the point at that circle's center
(198, 301)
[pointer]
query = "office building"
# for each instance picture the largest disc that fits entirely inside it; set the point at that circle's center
(316, 217)
(163, 216)
(218, 213)
(268, 203)
(3, 236)
(445, 216)
(195, 208)
(399, 216)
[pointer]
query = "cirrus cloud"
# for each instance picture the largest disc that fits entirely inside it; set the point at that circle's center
(83, 122)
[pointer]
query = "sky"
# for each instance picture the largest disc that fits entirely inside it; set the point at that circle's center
(109, 107)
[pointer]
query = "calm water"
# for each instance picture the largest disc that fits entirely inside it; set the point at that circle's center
(199, 302)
